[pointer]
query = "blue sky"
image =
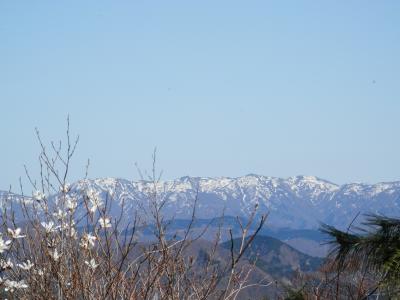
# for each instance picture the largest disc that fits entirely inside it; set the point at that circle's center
(222, 88)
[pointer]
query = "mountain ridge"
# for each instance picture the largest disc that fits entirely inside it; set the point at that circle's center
(298, 202)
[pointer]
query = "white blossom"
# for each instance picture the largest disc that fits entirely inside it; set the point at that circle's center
(39, 272)
(104, 222)
(11, 285)
(95, 204)
(15, 234)
(67, 225)
(55, 255)
(70, 228)
(5, 265)
(60, 215)
(88, 241)
(38, 195)
(95, 201)
(65, 188)
(92, 264)
(50, 226)
(72, 233)
(4, 245)
(71, 203)
(26, 265)
(51, 243)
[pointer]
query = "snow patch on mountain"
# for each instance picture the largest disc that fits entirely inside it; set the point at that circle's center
(297, 202)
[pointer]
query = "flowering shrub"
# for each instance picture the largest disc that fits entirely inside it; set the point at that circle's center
(63, 244)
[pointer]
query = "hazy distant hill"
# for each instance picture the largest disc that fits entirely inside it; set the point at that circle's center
(277, 258)
(271, 260)
(309, 241)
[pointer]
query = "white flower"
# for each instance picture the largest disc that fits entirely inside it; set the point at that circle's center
(94, 199)
(69, 228)
(51, 243)
(5, 265)
(88, 241)
(4, 245)
(55, 255)
(104, 222)
(72, 233)
(67, 225)
(60, 215)
(26, 265)
(14, 285)
(92, 264)
(71, 204)
(65, 188)
(39, 272)
(15, 234)
(49, 227)
(38, 196)
(95, 204)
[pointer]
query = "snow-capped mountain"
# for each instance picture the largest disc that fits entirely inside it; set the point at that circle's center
(296, 202)
(300, 202)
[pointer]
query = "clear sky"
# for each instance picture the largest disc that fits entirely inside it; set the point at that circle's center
(222, 88)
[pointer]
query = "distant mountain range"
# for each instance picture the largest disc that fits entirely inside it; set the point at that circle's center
(296, 205)
(277, 258)
(300, 202)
